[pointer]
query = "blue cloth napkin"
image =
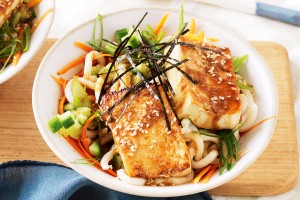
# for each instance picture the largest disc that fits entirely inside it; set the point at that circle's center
(32, 180)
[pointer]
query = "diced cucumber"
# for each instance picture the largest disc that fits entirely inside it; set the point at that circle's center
(120, 34)
(80, 96)
(84, 111)
(81, 119)
(117, 162)
(136, 79)
(55, 124)
(95, 149)
(73, 131)
(95, 70)
(110, 48)
(68, 106)
(16, 19)
(67, 119)
(134, 41)
(143, 69)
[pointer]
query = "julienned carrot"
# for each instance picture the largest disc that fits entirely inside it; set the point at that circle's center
(39, 21)
(161, 24)
(59, 81)
(199, 176)
(83, 150)
(83, 133)
(255, 125)
(201, 36)
(192, 26)
(16, 58)
(65, 83)
(61, 105)
(209, 174)
(83, 46)
(33, 3)
(72, 64)
(72, 142)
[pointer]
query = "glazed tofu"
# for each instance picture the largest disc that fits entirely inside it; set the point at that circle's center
(6, 8)
(214, 102)
(141, 137)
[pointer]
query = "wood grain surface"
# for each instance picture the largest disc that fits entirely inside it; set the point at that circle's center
(275, 171)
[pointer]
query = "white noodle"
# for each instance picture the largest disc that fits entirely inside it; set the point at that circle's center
(198, 142)
(106, 158)
(248, 118)
(127, 179)
(210, 138)
(206, 160)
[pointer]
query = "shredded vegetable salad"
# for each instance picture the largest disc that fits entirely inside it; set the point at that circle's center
(16, 31)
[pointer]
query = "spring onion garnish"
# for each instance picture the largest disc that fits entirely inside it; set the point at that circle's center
(237, 62)
(228, 146)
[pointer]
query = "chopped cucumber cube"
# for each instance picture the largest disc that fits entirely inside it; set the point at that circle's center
(117, 162)
(73, 131)
(84, 111)
(120, 34)
(55, 124)
(95, 149)
(67, 119)
(80, 96)
(68, 106)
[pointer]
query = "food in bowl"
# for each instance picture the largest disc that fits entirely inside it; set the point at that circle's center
(154, 109)
(19, 19)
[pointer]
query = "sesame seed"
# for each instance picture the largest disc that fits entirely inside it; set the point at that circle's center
(130, 154)
(233, 88)
(154, 141)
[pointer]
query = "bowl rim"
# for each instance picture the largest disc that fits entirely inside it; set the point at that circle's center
(168, 191)
(4, 76)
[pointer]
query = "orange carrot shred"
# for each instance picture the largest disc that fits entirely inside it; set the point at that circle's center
(61, 105)
(33, 3)
(83, 46)
(39, 21)
(59, 81)
(74, 145)
(161, 24)
(255, 125)
(209, 175)
(201, 36)
(16, 58)
(71, 65)
(80, 73)
(83, 150)
(192, 26)
(83, 133)
(199, 176)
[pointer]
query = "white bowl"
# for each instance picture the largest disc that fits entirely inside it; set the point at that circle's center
(37, 40)
(46, 92)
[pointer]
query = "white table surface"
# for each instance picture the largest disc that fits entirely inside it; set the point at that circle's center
(70, 13)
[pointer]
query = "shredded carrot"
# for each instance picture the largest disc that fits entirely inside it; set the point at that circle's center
(199, 176)
(72, 142)
(33, 3)
(16, 58)
(161, 24)
(209, 174)
(61, 105)
(59, 81)
(72, 64)
(65, 82)
(83, 150)
(255, 125)
(83, 134)
(83, 46)
(192, 26)
(39, 21)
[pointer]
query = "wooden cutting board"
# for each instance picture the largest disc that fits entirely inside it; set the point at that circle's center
(275, 171)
